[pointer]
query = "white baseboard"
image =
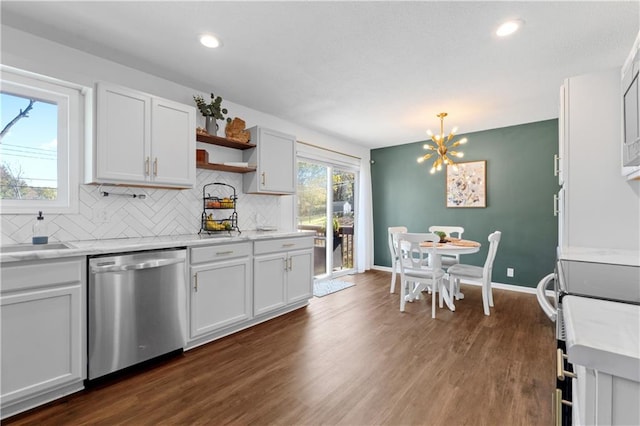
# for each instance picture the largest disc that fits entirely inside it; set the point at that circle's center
(509, 287)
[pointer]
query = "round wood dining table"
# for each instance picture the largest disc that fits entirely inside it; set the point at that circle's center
(451, 247)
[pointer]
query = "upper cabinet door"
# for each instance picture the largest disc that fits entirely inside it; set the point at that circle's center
(274, 156)
(173, 148)
(123, 135)
(560, 160)
(142, 140)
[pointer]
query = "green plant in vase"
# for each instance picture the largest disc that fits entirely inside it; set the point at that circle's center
(442, 235)
(211, 111)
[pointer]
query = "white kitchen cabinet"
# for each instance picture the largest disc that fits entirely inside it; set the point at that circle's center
(220, 287)
(173, 144)
(141, 140)
(275, 160)
(43, 317)
(604, 399)
(560, 159)
(283, 273)
(603, 344)
(595, 196)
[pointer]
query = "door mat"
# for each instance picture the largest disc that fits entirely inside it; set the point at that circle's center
(322, 288)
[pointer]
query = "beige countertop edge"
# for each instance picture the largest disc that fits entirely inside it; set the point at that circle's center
(119, 245)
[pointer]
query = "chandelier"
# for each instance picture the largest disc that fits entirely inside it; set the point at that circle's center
(441, 147)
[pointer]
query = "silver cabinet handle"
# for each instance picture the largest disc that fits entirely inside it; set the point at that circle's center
(264, 179)
(220, 253)
(286, 264)
(556, 200)
(561, 373)
(156, 263)
(290, 263)
(289, 245)
(556, 165)
(146, 166)
(155, 167)
(195, 279)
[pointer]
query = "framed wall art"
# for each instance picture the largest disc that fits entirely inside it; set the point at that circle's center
(467, 186)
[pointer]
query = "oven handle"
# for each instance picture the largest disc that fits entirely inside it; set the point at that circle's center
(547, 307)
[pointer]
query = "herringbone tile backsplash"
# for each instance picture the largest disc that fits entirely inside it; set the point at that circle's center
(162, 212)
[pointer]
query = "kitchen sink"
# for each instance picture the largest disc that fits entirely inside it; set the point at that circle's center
(33, 247)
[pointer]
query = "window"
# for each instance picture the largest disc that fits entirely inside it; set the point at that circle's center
(42, 121)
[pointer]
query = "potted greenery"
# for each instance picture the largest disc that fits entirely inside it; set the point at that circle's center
(442, 235)
(211, 111)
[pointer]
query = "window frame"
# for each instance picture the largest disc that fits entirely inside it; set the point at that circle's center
(74, 121)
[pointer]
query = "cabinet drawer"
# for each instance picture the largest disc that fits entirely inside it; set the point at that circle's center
(219, 252)
(40, 273)
(283, 244)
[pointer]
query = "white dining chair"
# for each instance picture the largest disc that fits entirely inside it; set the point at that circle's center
(414, 275)
(393, 251)
(449, 260)
(460, 271)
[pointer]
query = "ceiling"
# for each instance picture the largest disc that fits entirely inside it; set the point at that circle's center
(372, 73)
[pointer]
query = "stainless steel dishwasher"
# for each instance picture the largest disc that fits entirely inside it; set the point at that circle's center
(137, 308)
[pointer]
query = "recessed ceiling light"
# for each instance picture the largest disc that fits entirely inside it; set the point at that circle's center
(509, 27)
(209, 41)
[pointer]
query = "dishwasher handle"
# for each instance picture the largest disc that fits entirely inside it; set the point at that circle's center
(154, 263)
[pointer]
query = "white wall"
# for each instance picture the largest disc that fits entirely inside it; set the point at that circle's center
(27, 52)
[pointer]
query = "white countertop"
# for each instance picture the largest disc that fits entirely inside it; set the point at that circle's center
(603, 335)
(93, 247)
(600, 255)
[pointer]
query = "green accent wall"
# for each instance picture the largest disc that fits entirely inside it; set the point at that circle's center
(520, 189)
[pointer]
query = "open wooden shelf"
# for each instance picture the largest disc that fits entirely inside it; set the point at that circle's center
(217, 140)
(224, 168)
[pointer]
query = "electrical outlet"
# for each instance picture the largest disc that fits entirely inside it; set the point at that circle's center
(510, 272)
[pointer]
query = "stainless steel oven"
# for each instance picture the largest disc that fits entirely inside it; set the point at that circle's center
(595, 280)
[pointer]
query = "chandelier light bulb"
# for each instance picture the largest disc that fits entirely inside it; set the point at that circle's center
(442, 143)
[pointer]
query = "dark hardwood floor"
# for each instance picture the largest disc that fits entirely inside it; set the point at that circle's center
(348, 358)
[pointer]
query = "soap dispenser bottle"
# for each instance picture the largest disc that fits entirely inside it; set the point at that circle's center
(40, 235)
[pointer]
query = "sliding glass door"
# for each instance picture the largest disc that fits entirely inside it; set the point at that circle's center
(326, 202)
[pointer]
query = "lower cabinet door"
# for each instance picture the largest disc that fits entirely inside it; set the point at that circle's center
(269, 282)
(300, 276)
(41, 341)
(220, 295)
